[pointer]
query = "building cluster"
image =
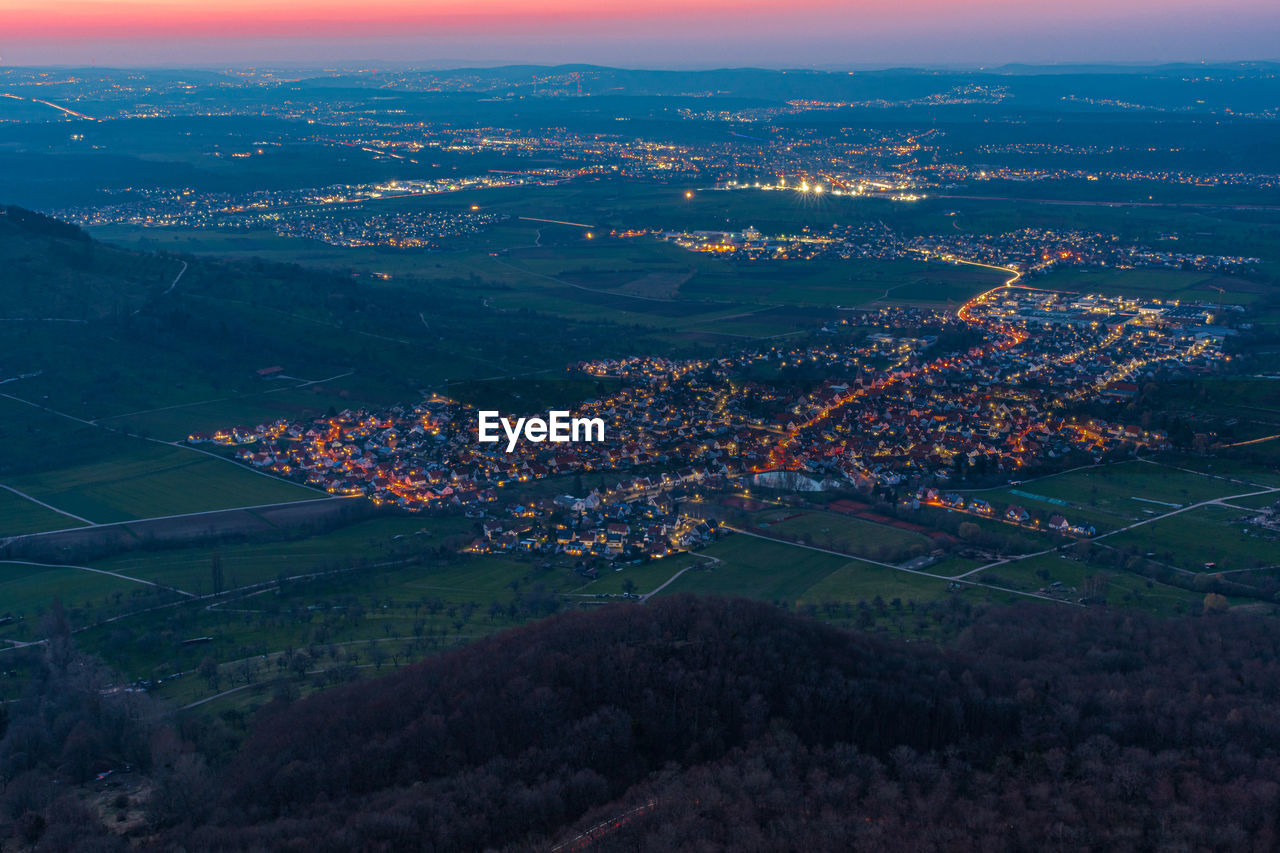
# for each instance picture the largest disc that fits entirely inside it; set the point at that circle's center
(1010, 513)
(867, 405)
(336, 214)
(405, 230)
(1030, 251)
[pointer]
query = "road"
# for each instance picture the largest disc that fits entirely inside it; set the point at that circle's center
(1222, 501)
(327, 497)
(1212, 502)
(178, 444)
(168, 289)
(97, 572)
(176, 279)
(47, 506)
(714, 561)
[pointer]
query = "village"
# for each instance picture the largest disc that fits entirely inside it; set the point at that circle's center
(886, 415)
(1030, 251)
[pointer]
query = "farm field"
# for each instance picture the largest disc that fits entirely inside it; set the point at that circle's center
(364, 543)
(280, 399)
(1112, 496)
(859, 581)
(778, 571)
(1122, 588)
(646, 576)
(845, 534)
(155, 480)
(1243, 476)
(1206, 535)
(19, 515)
(28, 590)
(758, 568)
(426, 607)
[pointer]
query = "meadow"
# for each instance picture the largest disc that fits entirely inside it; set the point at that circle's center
(19, 515)
(845, 534)
(1121, 588)
(1111, 496)
(153, 480)
(1209, 538)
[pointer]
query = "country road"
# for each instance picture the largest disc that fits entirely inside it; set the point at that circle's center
(1222, 501)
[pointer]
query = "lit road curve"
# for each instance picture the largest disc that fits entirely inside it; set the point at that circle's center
(1009, 337)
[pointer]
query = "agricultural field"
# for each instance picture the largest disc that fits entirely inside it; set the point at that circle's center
(19, 515)
(645, 577)
(281, 398)
(845, 534)
(1209, 538)
(368, 543)
(778, 571)
(1112, 496)
(1155, 284)
(155, 480)
(858, 581)
(1121, 588)
(27, 590)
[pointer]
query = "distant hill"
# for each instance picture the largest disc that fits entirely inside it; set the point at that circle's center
(53, 270)
(702, 724)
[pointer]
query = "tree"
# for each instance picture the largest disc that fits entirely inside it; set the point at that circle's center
(1215, 602)
(209, 672)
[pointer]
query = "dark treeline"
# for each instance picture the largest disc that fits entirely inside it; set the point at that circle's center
(748, 727)
(722, 724)
(38, 223)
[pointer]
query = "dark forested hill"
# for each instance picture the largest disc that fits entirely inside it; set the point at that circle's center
(721, 724)
(49, 269)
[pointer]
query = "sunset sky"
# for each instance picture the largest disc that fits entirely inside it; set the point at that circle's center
(655, 33)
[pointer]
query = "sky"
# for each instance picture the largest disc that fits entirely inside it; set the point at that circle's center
(640, 33)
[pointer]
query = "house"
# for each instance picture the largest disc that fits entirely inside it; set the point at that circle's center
(1017, 514)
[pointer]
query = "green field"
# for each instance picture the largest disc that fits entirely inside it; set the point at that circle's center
(777, 571)
(413, 608)
(844, 534)
(1123, 588)
(155, 480)
(1243, 476)
(646, 576)
(277, 399)
(757, 568)
(1209, 534)
(365, 543)
(1112, 496)
(858, 581)
(19, 515)
(27, 591)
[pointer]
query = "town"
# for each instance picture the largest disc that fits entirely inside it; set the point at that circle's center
(884, 413)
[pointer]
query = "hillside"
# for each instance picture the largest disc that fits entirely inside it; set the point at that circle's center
(722, 724)
(109, 334)
(55, 271)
